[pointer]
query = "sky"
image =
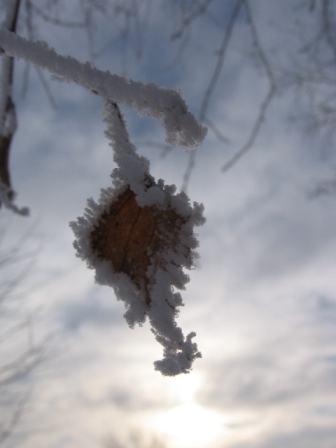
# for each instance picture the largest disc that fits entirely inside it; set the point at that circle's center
(263, 297)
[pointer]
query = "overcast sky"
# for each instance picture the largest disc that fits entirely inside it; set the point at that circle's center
(263, 298)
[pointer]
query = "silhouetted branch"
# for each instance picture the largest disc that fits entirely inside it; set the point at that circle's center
(55, 20)
(165, 148)
(199, 10)
(212, 83)
(220, 59)
(7, 429)
(217, 132)
(20, 355)
(8, 113)
(328, 27)
(268, 98)
(7, 107)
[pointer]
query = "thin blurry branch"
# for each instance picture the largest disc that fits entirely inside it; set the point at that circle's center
(227, 35)
(20, 355)
(312, 75)
(53, 19)
(165, 148)
(328, 26)
(269, 95)
(200, 10)
(7, 429)
(220, 60)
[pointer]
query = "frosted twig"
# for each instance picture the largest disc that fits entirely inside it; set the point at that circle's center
(161, 103)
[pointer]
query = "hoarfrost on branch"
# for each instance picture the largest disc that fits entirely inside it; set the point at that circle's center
(161, 103)
(139, 235)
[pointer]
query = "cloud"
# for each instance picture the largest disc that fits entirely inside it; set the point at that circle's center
(263, 300)
(304, 437)
(89, 311)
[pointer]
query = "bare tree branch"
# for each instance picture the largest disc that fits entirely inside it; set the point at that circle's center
(6, 430)
(200, 10)
(217, 132)
(7, 107)
(268, 98)
(220, 60)
(212, 84)
(328, 27)
(20, 355)
(55, 20)
(8, 112)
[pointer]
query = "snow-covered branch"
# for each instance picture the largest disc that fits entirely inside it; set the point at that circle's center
(161, 103)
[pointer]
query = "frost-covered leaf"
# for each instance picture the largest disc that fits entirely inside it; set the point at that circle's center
(138, 237)
(140, 251)
(142, 233)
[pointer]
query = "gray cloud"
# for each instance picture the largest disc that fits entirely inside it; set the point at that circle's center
(266, 283)
(89, 310)
(304, 437)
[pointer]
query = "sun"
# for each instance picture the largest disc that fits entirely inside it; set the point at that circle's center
(188, 424)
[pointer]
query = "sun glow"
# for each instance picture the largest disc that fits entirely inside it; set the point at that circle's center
(188, 424)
